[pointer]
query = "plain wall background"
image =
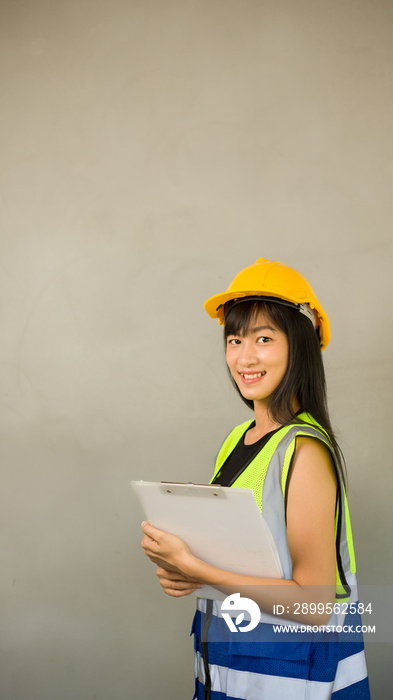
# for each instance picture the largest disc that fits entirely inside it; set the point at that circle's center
(149, 150)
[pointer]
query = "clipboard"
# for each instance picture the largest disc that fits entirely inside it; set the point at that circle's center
(223, 526)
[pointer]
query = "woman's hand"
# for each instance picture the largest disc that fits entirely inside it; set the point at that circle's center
(175, 584)
(167, 551)
(173, 558)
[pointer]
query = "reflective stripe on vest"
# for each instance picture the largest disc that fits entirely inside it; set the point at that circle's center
(267, 476)
(245, 685)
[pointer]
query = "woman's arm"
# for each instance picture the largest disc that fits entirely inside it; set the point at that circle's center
(311, 540)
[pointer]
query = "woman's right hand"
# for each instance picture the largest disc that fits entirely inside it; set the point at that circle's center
(175, 584)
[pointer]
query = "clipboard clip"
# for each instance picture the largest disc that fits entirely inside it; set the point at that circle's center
(179, 487)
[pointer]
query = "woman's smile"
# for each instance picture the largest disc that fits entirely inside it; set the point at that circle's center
(249, 378)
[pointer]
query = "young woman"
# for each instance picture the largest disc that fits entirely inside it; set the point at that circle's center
(275, 330)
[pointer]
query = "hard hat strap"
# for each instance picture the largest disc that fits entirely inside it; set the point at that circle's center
(309, 312)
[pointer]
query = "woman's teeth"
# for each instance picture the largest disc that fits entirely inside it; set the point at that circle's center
(252, 376)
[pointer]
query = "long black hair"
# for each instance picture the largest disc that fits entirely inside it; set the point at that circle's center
(304, 379)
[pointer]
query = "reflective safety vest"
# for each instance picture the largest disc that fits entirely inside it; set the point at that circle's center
(304, 668)
(267, 476)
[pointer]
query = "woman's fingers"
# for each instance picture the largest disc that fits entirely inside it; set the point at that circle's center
(173, 590)
(175, 576)
(179, 585)
(176, 585)
(164, 549)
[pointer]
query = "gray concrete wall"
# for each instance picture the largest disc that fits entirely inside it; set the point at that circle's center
(149, 150)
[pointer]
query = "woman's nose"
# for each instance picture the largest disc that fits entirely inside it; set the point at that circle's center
(247, 355)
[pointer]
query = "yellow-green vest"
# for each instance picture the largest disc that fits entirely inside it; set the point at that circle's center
(267, 476)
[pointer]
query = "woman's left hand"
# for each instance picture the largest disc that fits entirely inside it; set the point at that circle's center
(175, 584)
(167, 551)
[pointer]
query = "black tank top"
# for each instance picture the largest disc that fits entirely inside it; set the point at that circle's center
(240, 458)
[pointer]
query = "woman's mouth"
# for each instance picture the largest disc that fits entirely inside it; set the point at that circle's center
(249, 377)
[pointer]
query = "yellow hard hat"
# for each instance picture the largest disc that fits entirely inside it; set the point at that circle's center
(276, 281)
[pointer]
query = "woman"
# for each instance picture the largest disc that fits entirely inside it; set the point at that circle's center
(275, 330)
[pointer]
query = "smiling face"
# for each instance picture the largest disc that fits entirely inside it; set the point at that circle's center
(258, 358)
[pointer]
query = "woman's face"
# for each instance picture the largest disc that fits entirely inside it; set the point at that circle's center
(258, 360)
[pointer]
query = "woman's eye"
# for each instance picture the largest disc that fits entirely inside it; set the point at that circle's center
(263, 340)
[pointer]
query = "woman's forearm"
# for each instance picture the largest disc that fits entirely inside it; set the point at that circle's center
(308, 604)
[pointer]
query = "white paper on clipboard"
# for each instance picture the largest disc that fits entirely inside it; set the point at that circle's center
(222, 526)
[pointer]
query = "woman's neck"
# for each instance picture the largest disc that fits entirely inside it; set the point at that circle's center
(264, 422)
